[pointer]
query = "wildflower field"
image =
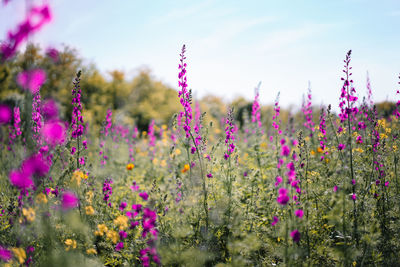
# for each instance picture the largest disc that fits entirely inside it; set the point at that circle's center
(87, 182)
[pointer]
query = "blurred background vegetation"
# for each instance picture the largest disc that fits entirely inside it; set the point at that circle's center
(133, 101)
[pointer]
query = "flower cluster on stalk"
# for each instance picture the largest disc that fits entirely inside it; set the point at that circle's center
(229, 135)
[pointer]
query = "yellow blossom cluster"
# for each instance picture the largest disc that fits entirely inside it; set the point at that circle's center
(29, 213)
(71, 243)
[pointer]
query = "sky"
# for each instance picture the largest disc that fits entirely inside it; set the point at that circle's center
(233, 45)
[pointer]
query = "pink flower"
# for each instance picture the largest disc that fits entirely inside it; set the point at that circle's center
(35, 165)
(285, 151)
(54, 133)
(37, 17)
(144, 195)
(20, 180)
(53, 54)
(341, 147)
(295, 235)
(5, 114)
(354, 196)
(5, 254)
(335, 188)
(275, 220)
(283, 199)
(69, 200)
(31, 79)
(122, 235)
(50, 109)
(119, 246)
(122, 206)
(299, 213)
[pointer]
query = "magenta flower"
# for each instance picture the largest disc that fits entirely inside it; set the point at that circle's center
(295, 234)
(32, 80)
(35, 165)
(53, 54)
(137, 207)
(5, 114)
(122, 206)
(50, 109)
(285, 151)
(278, 180)
(54, 132)
(5, 254)
(119, 246)
(69, 200)
(354, 196)
(283, 199)
(20, 180)
(255, 110)
(209, 175)
(335, 188)
(275, 221)
(37, 17)
(299, 213)
(341, 147)
(144, 195)
(122, 235)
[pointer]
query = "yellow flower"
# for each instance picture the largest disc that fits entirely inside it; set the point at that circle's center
(102, 229)
(41, 198)
(178, 151)
(29, 213)
(394, 147)
(89, 196)
(383, 136)
(91, 251)
(77, 177)
(312, 152)
(113, 236)
(20, 254)
(70, 244)
(130, 166)
(320, 150)
(164, 127)
(185, 168)
(155, 161)
(388, 130)
(144, 133)
(163, 163)
(122, 222)
(89, 210)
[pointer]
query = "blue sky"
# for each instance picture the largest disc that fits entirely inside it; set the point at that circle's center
(232, 45)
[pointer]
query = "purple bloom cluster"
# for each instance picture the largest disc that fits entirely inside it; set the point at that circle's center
(184, 94)
(307, 111)
(397, 112)
(77, 119)
(255, 110)
(152, 137)
(30, 167)
(230, 137)
(37, 120)
(32, 80)
(275, 121)
(5, 114)
(347, 96)
(14, 130)
(105, 131)
(37, 17)
(107, 191)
